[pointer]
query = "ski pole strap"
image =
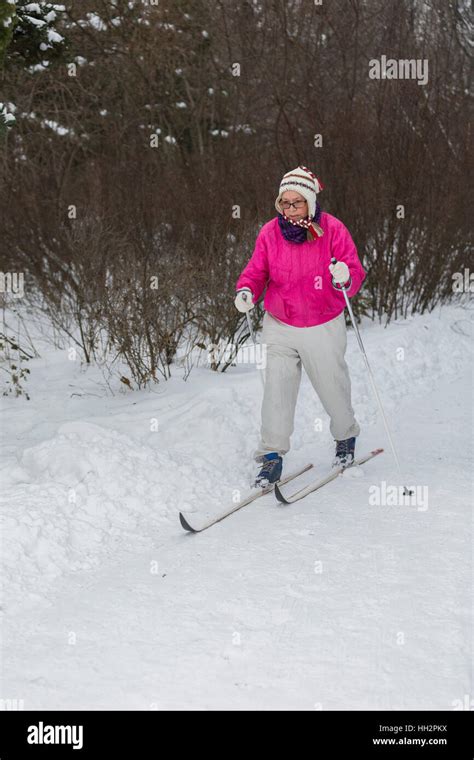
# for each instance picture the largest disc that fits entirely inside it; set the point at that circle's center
(340, 286)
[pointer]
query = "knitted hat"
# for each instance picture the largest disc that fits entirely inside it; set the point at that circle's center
(304, 182)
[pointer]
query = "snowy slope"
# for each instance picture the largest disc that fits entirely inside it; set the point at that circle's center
(332, 603)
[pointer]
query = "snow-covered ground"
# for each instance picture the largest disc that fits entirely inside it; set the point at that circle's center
(332, 603)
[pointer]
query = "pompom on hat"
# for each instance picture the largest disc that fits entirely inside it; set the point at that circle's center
(301, 180)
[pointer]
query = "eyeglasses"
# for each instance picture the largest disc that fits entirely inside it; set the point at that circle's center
(297, 204)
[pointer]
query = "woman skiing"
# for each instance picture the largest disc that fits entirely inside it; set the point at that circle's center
(304, 323)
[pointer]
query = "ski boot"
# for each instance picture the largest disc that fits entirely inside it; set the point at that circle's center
(271, 470)
(344, 452)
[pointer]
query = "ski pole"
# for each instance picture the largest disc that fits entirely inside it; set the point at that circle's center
(252, 335)
(371, 377)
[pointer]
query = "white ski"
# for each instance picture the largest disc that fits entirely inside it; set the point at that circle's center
(332, 476)
(243, 503)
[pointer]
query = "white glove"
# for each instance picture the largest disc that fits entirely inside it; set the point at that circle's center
(244, 300)
(340, 272)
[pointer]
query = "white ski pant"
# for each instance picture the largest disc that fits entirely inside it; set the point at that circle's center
(320, 350)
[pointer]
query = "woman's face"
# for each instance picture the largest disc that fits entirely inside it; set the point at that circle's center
(290, 196)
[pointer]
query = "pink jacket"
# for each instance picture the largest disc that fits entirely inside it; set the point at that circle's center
(299, 287)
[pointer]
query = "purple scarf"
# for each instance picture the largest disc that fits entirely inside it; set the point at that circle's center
(292, 232)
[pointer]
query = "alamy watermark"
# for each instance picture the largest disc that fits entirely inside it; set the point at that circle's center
(466, 703)
(12, 282)
(231, 352)
(53, 734)
(388, 495)
(402, 68)
(463, 282)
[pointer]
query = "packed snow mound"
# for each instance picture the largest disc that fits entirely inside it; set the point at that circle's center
(78, 495)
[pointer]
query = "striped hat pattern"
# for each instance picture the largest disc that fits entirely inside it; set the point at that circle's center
(304, 182)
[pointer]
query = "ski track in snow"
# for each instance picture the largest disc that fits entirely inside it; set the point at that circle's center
(326, 604)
